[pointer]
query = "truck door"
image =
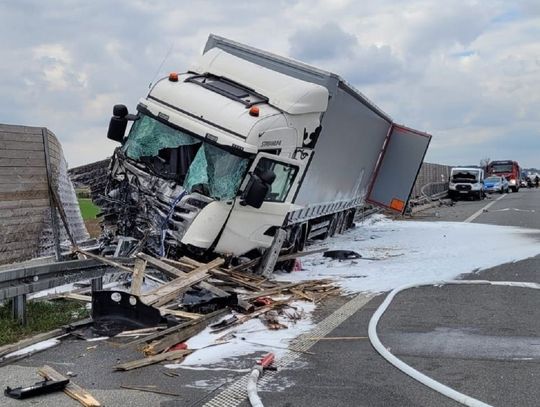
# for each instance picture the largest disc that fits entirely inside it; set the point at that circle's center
(247, 227)
(398, 168)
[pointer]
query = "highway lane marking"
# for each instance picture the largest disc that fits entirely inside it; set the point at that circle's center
(481, 211)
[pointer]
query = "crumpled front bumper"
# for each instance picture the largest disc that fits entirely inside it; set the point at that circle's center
(142, 205)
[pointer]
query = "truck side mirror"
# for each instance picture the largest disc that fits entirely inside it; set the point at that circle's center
(255, 192)
(118, 123)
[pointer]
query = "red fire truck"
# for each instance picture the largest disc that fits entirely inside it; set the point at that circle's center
(507, 169)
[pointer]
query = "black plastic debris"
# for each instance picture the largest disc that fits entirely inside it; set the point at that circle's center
(342, 254)
(224, 324)
(43, 387)
(204, 302)
(117, 311)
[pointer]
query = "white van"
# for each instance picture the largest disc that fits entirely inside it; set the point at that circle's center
(466, 182)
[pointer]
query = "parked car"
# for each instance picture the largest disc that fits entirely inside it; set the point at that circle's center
(496, 184)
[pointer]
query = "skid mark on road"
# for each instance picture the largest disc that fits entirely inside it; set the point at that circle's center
(480, 211)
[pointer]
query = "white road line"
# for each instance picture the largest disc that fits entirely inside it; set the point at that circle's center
(479, 212)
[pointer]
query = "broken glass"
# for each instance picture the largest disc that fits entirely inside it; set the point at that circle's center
(216, 173)
(148, 136)
(174, 154)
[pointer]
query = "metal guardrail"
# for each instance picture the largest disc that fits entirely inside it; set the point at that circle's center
(19, 281)
(430, 192)
(31, 279)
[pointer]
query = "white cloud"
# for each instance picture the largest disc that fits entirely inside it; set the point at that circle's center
(467, 72)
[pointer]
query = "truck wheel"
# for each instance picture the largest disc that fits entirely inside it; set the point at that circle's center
(349, 219)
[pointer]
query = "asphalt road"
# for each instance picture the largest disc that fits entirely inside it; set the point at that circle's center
(513, 209)
(481, 340)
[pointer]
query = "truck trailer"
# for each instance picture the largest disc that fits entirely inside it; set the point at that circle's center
(247, 146)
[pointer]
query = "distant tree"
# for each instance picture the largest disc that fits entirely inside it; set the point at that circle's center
(484, 162)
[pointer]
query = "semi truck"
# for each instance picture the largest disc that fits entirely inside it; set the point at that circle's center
(508, 169)
(247, 145)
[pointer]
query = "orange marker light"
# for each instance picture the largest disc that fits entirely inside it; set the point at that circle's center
(173, 77)
(397, 204)
(254, 111)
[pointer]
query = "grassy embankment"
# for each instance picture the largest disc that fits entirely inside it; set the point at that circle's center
(89, 212)
(42, 316)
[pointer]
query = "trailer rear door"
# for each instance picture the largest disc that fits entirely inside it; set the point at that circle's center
(398, 168)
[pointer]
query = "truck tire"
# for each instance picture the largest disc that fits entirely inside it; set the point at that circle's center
(515, 189)
(349, 219)
(332, 228)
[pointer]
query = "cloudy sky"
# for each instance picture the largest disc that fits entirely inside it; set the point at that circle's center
(467, 72)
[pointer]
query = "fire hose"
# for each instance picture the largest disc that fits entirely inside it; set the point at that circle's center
(408, 370)
(257, 371)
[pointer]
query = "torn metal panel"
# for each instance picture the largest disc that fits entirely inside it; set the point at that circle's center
(145, 206)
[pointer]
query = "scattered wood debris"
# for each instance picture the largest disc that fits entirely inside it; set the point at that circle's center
(220, 289)
(150, 389)
(72, 390)
(150, 360)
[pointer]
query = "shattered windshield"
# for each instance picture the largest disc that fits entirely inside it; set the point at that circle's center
(173, 154)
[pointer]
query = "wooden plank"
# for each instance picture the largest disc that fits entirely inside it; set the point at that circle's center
(20, 137)
(175, 272)
(29, 235)
(138, 274)
(24, 212)
(16, 128)
(21, 154)
(18, 255)
(72, 390)
(149, 390)
(24, 203)
(23, 187)
(179, 313)
(104, 260)
(23, 343)
(135, 364)
(182, 335)
(21, 221)
(22, 162)
(23, 179)
(173, 329)
(18, 245)
(33, 145)
(22, 171)
(171, 290)
(222, 275)
(274, 291)
(76, 297)
(23, 195)
(186, 268)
